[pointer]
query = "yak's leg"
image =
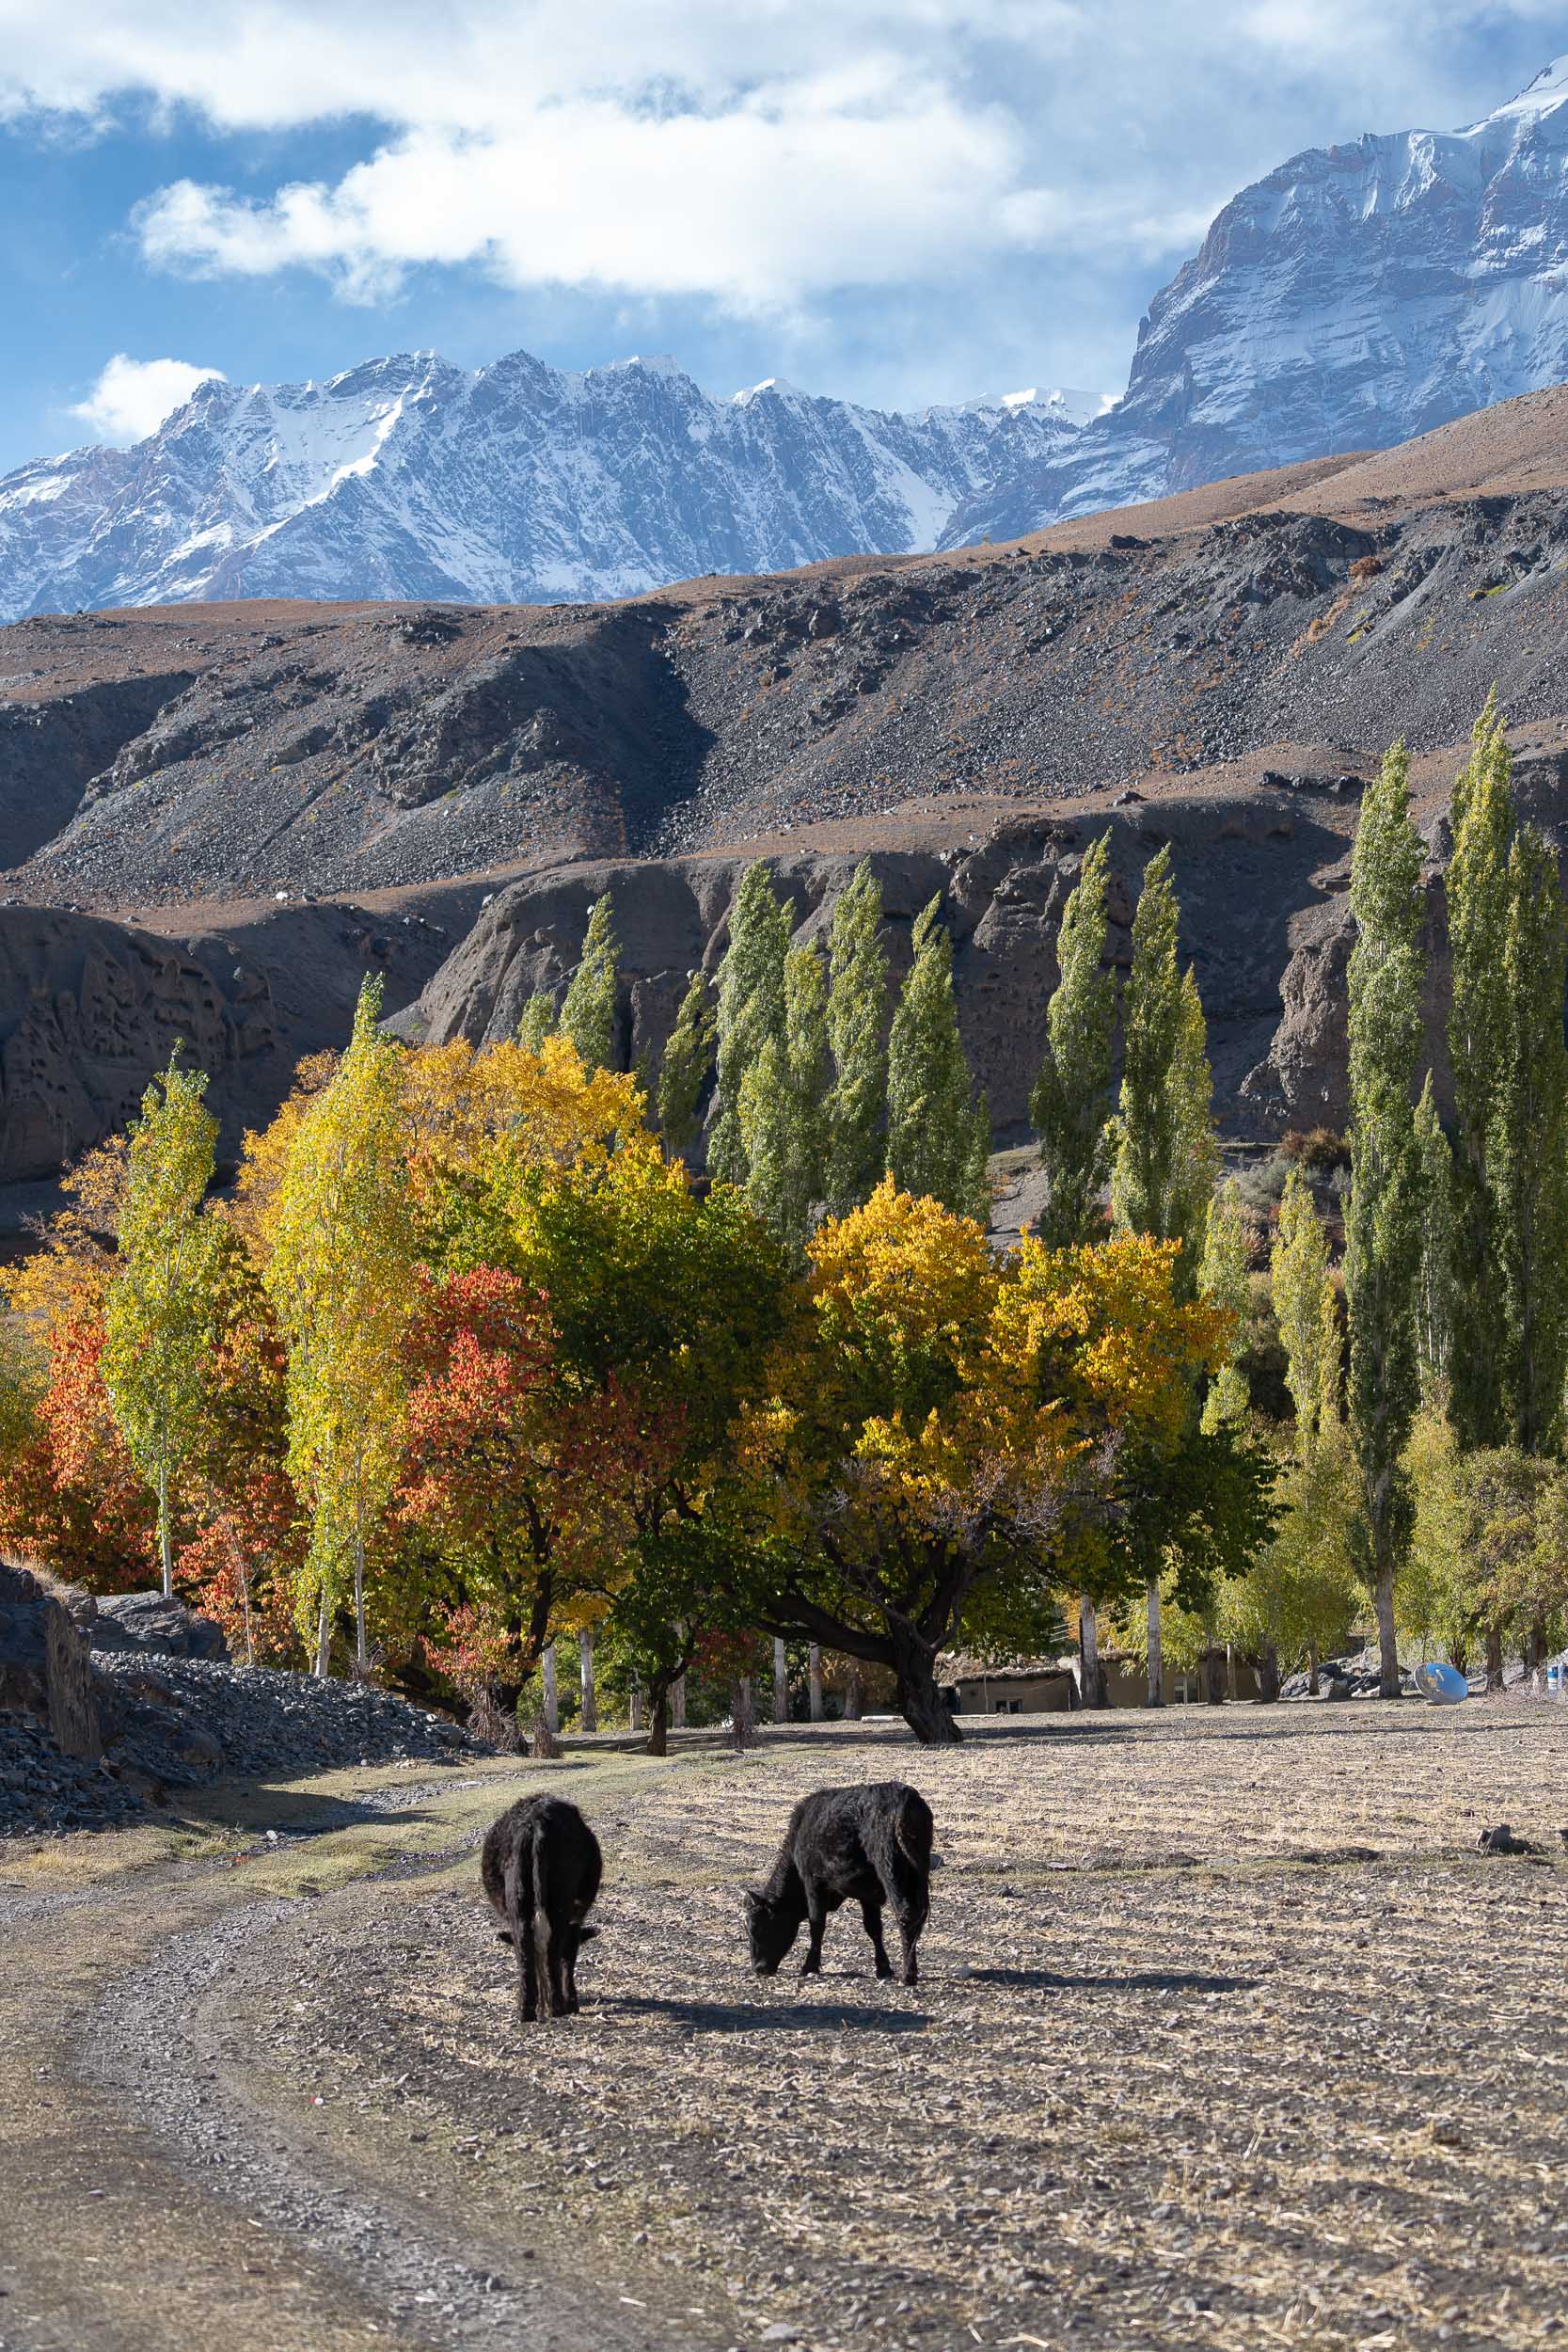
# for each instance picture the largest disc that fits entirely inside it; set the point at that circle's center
(569, 1952)
(555, 1965)
(817, 1913)
(871, 1912)
(528, 1974)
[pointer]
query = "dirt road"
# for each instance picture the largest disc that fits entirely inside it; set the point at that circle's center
(1225, 2037)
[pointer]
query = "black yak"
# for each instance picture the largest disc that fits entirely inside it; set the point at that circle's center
(871, 1843)
(541, 1869)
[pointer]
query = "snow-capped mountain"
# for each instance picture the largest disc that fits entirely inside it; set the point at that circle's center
(1357, 296)
(515, 482)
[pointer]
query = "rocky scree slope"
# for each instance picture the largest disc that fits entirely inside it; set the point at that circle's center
(1354, 296)
(357, 748)
(515, 482)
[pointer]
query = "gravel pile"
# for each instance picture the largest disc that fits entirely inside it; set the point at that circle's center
(187, 1721)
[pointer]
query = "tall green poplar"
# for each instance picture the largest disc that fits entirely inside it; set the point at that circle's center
(340, 1280)
(1225, 1281)
(538, 1021)
(159, 1316)
(1383, 1224)
(1435, 1298)
(1528, 1153)
(588, 1008)
(1166, 1158)
(936, 1140)
(751, 1013)
(1070, 1106)
(1477, 893)
(783, 1106)
(857, 1016)
(688, 1062)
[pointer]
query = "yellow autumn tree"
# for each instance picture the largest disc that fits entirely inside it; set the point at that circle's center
(340, 1277)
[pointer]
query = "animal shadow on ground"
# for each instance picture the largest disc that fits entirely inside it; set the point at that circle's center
(742, 2017)
(1151, 1980)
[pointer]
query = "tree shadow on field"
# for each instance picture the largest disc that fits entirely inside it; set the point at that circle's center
(744, 2017)
(1151, 1981)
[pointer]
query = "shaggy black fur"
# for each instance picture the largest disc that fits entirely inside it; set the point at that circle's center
(871, 1843)
(541, 1868)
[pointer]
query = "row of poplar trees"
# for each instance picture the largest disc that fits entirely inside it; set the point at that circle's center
(814, 1099)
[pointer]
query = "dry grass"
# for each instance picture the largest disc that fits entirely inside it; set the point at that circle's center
(1161, 2084)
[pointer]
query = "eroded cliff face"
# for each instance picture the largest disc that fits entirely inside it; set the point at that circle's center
(1248, 869)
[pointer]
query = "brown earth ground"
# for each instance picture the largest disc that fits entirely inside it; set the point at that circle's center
(1225, 2037)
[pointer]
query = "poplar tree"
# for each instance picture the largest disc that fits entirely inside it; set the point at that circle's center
(783, 1105)
(340, 1280)
(1145, 1135)
(588, 1008)
(538, 1021)
(937, 1142)
(1070, 1106)
(1225, 1281)
(1478, 897)
(1197, 1159)
(159, 1314)
(1528, 1153)
(751, 1012)
(1303, 1295)
(1434, 1301)
(856, 1016)
(688, 1062)
(1383, 1224)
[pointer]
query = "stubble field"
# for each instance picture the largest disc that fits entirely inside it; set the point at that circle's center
(1225, 2036)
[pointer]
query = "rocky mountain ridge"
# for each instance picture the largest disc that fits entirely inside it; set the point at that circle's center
(1352, 298)
(516, 482)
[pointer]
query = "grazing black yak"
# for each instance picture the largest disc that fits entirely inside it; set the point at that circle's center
(541, 1868)
(871, 1843)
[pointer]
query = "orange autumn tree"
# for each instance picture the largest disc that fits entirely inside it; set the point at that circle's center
(941, 1439)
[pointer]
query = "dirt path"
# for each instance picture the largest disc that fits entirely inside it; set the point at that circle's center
(150, 2188)
(1227, 2039)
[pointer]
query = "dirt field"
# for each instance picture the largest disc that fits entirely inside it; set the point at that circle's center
(1225, 2037)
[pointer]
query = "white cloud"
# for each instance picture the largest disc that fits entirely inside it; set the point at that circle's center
(132, 397)
(759, 155)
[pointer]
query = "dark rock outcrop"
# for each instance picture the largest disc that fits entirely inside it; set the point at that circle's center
(154, 1625)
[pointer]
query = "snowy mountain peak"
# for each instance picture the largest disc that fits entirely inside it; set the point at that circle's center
(407, 477)
(1547, 91)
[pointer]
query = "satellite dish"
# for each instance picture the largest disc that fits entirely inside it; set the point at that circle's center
(1444, 1685)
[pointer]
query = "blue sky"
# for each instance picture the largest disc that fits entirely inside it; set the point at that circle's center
(897, 200)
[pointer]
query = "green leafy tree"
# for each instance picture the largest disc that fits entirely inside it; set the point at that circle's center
(1145, 1138)
(1434, 1302)
(1526, 1160)
(1383, 1225)
(751, 1013)
(538, 1021)
(161, 1307)
(687, 1066)
(856, 1016)
(588, 1008)
(1070, 1106)
(1224, 1280)
(340, 1280)
(1478, 909)
(937, 1140)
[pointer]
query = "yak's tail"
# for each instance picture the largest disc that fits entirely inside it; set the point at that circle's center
(914, 1830)
(541, 1930)
(518, 1920)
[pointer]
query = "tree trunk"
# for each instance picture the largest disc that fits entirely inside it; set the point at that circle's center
(1312, 1670)
(361, 1648)
(1494, 1658)
(854, 1697)
(166, 1532)
(780, 1682)
(920, 1702)
(585, 1670)
(1214, 1674)
(658, 1716)
(1091, 1673)
(551, 1695)
(634, 1709)
(1268, 1675)
(249, 1631)
(1156, 1656)
(742, 1715)
(814, 1680)
(1387, 1637)
(323, 1637)
(677, 1703)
